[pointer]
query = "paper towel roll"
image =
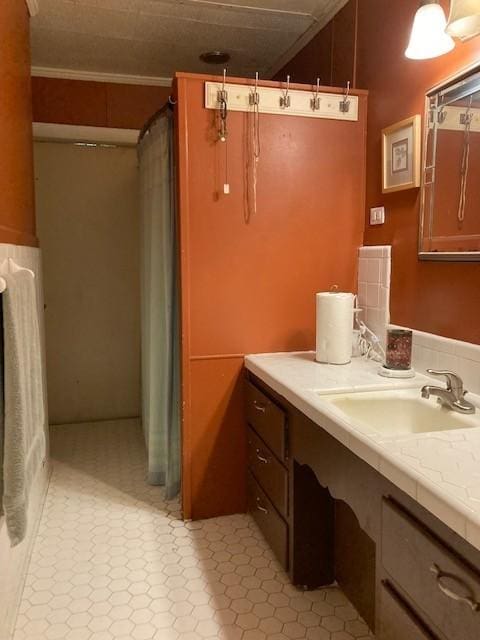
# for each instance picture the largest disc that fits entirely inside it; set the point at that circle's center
(334, 327)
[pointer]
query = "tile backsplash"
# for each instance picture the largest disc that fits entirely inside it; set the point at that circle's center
(374, 266)
(429, 350)
(435, 352)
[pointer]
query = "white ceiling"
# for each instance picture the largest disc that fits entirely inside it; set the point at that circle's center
(159, 37)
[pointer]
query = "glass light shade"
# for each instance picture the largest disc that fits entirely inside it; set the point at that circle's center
(464, 19)
(428, 38)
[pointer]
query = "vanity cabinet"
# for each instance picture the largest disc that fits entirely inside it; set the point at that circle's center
(398, 621)
(440, 584)
(267, 482)
(329, 516)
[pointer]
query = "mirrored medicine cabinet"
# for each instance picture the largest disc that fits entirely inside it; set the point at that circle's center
(450, 198)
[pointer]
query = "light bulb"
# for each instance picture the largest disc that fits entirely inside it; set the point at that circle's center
(428, 38)
(464, 19)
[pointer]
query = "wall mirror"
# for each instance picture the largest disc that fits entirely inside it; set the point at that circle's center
(450, 204)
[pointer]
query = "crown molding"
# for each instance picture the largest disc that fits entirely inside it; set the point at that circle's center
(33, 7)
(51, 132)
(94, 76)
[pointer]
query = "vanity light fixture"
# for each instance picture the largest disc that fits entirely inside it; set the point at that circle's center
(428, 38)
(464, 19)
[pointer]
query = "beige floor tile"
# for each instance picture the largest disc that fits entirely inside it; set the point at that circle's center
(113, 560)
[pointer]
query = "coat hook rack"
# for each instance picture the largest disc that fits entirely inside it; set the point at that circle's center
(254, 96)
(285, 98)
(315, 101)
(345, 103)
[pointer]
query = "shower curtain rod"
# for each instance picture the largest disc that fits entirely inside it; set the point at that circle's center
(167, 107)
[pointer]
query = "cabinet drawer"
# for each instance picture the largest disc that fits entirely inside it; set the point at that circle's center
(268, 471)
(271, 524)
(397, 621)
(267, 419)
(440, 584)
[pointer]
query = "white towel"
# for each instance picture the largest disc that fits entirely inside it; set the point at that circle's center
(24, 412)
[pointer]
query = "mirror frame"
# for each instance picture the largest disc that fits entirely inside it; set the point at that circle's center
(440, 256)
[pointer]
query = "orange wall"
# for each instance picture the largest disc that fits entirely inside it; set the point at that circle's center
(17, 212)
(248, 285)
(330, 55)
(97, 104)
(442, 298)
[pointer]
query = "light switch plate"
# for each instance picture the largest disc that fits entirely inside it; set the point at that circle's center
(377, 215)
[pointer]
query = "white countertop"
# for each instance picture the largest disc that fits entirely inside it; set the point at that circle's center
(440, 470)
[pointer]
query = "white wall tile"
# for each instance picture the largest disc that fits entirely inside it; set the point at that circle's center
(373, 295)
(374, 266)
(362, 269)
(436, 352)
(13, 562)
(373, 271)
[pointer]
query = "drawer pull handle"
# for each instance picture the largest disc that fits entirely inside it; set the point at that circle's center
(259, 407)
(261, 458)
(260, 508)
(439, 574)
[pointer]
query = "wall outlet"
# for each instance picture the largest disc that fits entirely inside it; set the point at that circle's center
(377, 215)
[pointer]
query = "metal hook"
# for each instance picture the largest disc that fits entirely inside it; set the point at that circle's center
(345, 103)
(254, 97)
(285, 98)
(315, 101)
(442, 114)
(222, 94)
(222, 98)
(467, 117)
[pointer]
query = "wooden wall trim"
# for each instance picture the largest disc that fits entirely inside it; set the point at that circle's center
(181, 97)
(50, 131)
(218, 356)
(10, 235)
(97, 76)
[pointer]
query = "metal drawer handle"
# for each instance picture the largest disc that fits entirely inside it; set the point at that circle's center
(439, 574)
(261, 458)
(260, 508)
(259, 407)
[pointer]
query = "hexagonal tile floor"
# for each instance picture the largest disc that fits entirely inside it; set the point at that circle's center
(112, 560)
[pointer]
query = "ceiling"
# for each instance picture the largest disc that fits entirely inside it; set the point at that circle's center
(159, 37)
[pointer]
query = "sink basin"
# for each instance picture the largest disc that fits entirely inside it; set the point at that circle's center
(398, 412)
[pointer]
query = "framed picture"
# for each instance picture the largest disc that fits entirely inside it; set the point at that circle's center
(401, 155)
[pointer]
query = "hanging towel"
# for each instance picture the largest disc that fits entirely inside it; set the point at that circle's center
(24, 412)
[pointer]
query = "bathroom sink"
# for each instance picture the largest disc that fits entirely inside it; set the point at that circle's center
(398, 412)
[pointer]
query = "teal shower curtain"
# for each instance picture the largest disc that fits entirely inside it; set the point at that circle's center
(159, 294)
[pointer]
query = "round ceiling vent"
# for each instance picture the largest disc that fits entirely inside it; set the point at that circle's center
(215, 57)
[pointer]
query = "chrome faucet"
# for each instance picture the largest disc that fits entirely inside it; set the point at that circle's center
(452, 396)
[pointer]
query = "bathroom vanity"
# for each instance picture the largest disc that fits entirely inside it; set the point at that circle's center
(340, 501)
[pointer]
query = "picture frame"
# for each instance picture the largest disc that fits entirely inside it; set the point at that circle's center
(401, 155)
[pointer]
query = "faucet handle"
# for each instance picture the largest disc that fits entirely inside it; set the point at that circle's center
(454, 382)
